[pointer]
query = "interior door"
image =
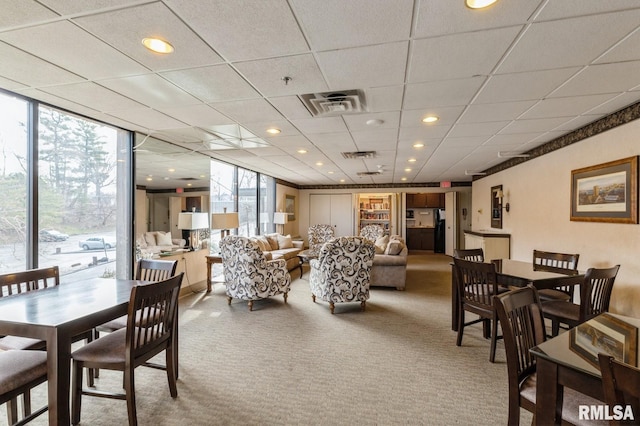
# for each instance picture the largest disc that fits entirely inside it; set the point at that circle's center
(451, 223)
(342, 214)
(319, 209)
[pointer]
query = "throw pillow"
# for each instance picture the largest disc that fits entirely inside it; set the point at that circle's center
(381, 244)
(150, 238)
(394, 247)
(263, 243)
(273, 241)
(284, 241)
(141, 242)
(163, 239)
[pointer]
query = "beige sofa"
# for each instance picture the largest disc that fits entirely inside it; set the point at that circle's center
(277, 246)
(157, 241)
(390, 263)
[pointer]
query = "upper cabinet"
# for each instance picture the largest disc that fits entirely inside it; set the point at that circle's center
(431, 200)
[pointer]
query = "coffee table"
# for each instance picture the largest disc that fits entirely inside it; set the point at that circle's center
(305, 256)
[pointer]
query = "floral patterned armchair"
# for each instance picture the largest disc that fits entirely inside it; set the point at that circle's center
(342, 271)
(248, 274)
(318, 235)
(372, 232)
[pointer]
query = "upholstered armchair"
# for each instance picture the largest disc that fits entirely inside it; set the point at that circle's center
(248, 274)
(342, 271)
(372, 232)
(318, 235)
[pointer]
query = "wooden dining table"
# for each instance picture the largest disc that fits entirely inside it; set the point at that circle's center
(57, 314)
(516, 273)
(570, 360)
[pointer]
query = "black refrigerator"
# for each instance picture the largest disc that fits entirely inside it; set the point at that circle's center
(438, 232)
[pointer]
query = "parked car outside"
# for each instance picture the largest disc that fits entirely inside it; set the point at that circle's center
(93, 243)
(52, 235)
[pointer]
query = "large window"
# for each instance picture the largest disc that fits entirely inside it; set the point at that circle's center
(66, 185)
(247, 202)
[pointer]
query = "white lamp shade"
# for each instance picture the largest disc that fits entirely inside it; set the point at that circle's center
(193, 221)
(280, 218)
(224, 220)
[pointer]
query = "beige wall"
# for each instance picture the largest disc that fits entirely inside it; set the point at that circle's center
(292, 227)
(539, 193)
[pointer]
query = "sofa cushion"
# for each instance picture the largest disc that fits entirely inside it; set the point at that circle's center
(394, 247)
(273, 240)
(390, 260)
(285, 254)
(141, 241)
(381, 244)
(150, 238)
(284, 242)
(262, 243)
(163, 239)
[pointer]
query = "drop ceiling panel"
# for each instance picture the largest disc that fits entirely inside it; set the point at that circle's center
(256, 29)
(99, 60)
(604, 78)
(67, 7)
(381, 99)
(565, 107)
(523, 86)
(535, 125)
(291, 107)
(250, 110)
(514, 139)
(320, 125)
(125, 28)
(359, 121)
(424, 132)
(441, 93)
(436, 17)
(197, 115)
(580, 43)
(94, 96)
(336, 24)
(361, 67)
(569, 8)
(465, 54)
(151, 90)
(446, 116)
(626, 50)
(477, 129)
(148, 118)
(15, 14)
(478, 113)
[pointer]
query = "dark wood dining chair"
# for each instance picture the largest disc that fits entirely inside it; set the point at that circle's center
(151, 324)
(621, 386)
(474, 255)
(477, 284)
(595, 295)
(520, 316)
(561, 263)
(21, 371)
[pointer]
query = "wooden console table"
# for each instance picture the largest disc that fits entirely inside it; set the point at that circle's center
(211, 259)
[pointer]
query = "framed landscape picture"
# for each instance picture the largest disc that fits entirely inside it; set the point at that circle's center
(290, 207)
(606, 193)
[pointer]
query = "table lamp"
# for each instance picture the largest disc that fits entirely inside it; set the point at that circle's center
(224, 221)
(193, 222)
(280, 218)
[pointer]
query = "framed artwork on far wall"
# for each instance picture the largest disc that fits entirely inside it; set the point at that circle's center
(607, 192)
(290, 207)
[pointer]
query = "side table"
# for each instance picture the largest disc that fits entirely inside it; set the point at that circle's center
(211, 259)
(305, 256)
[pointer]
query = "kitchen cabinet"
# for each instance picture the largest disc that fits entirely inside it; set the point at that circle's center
(430, 200)
(420, 238)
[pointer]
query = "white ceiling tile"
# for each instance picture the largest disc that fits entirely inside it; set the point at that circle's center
(471, 141)
(603, 78)
(626, 50)
(441, 93)
(267, 75)
(523, 86)
(94, 96)
(23, 12)
(414, 134)
(436, 17)
(359, 122)
(569, 8)
(10, 84)
(515, 139)
(565, 107)
(67, 7)
(478, 113)
(247, 29)
(577, 122)
(335, 24)
(148, 118)
(151, 90)
(197, 115)
(380, 99)
(250, 110)
(99, 60)
(362, 67)
(580, 43)
(29, 70)
(320, 125)
(125, 28)
(459, 55)
(477, 129)
(621, 101)
(291, 107)
(214, 83)
(446, 116)
(535, 125)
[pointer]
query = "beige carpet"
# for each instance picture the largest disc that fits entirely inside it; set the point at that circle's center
(296, 364)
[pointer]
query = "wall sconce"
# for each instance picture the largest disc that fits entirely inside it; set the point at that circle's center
(500, 196)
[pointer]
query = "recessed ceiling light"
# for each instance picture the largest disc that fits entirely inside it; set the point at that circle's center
(430, 119)
(302, 151)
(166, 178)
(330, 172)
(341, 180)
(404, 178)
(149, 179)
(273, 131)
(172, 170)
(479, 4)
(188, 184)
(374, 122)
(412, 160)
(319, 163)
(157, 45)
(408, 169)
(418, 145)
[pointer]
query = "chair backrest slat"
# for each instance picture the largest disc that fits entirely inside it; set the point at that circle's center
(33, 279)
(595, 293)
(477, 282)
(621, 386)
(562, 263)
(474, 255)
(155, 270)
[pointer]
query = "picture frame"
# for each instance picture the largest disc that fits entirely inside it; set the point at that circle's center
(606, 192)
(605, 334)
(290, 207)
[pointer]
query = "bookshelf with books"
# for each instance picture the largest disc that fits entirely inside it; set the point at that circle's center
(374, 209)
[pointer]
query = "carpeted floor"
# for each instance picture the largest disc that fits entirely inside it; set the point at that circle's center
(296, 364)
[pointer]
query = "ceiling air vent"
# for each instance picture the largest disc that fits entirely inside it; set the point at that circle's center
(359, 155)
(335, 103)
(379, 172)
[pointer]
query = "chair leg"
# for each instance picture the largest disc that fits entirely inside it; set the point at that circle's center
(331, 307)
(363, 305)
(76, 392)
(250, 305)
(313, 297)
(12, 411)
(460, 326)
(129, 389)
(555, 327)
(285, 295)
(229, 299)
(494, 339)
(171, 372)
(26, 403)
